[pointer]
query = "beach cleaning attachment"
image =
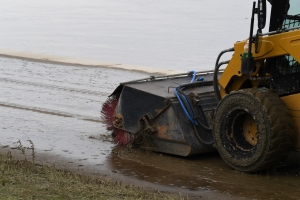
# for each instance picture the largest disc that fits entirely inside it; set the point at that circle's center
(170, 114)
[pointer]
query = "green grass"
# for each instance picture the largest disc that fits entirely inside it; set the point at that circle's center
(20, 179)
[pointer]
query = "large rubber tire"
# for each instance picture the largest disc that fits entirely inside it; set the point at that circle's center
(253, 130)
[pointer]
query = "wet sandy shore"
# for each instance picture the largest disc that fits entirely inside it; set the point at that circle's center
(49, 58)
(50, 114)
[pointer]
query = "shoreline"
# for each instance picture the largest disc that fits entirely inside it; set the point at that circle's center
(54, 59)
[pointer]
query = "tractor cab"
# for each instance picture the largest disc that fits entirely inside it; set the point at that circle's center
(284, 69)
(285, 14)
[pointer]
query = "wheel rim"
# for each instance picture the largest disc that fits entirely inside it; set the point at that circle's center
(241, 133)
(250, 130)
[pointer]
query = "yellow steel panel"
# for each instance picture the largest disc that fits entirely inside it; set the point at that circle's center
(233, 68)
(270, 46)
(292, 46)
(293, 103)
(281, 44)
(265, 47)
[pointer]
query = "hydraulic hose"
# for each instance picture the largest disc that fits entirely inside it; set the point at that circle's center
(187, 108)
(183, 105)
(191, 113)
(184, 102)
(216, 71)
(194, 75)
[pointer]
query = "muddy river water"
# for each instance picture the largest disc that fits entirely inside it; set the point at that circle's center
(50, 114)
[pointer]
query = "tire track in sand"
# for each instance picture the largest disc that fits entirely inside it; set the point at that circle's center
(50, 112)
(48, 86)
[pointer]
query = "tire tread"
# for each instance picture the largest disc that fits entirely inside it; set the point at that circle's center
(282, 141)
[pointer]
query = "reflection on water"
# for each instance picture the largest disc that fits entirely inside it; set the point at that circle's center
(209, 172)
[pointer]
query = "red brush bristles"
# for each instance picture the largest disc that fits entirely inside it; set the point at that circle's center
(120, 137)
(107, 112)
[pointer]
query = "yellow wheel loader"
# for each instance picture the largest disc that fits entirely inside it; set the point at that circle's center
(249, 112)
